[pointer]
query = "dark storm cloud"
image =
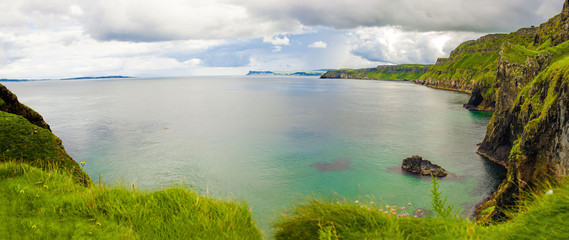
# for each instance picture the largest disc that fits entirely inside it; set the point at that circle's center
(421, 15)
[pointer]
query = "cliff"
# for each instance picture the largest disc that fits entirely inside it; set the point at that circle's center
(523, 77)
(386, 72)
(471, 67)
(529, 131)
(9, 103)
(26, 137)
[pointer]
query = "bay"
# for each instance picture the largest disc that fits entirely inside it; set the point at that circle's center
(269, 140)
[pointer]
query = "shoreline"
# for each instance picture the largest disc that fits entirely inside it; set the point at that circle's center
(483, 155)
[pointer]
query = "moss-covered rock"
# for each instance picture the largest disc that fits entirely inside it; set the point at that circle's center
(9, 103)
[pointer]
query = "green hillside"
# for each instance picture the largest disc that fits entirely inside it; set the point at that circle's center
(383, 72)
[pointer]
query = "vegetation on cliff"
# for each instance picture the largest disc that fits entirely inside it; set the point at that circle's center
(9, 103)
(49, 204)
(26, 137)
(385, 72)
(541, 215)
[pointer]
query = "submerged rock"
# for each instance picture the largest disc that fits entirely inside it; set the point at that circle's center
(416, 164)
(339, 164)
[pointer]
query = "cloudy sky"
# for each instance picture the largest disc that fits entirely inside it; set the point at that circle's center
(146, 38)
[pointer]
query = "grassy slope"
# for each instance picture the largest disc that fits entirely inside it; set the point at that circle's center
(48, 204)
(395, 72)
(540, 216)
(24, 141)
(45, 194)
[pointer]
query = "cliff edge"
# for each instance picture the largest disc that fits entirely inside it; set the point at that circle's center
(26, 137)
(529, 131)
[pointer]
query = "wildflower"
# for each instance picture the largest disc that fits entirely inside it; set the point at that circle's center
(37, 195)
(381, 210)
(34, 226)
(338, 202)
(357, 202)
(45, 186)
(409, 204)
(98, 224)
(82, 163)
(549, 192)
(90, 233)
(416, 216)
(371, 202)
(403, 208)
(387, 206)
(22, 191)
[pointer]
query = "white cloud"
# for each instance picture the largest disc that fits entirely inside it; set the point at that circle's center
(76, 10)
(68, 52)
(69, 38)
(318, 44)
(276, 40)
(149, 20)
(193, 62)
(394, 45)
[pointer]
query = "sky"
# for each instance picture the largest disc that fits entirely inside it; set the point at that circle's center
(158, 38)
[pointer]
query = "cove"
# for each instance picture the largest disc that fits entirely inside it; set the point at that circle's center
(268, 140)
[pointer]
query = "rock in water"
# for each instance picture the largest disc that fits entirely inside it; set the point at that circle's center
(416, 164)
(339, 164)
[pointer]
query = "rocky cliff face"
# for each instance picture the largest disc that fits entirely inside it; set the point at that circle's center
(529, 131)
(523, 77)
(471, 67)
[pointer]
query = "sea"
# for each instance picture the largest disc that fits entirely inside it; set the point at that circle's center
(269, 141)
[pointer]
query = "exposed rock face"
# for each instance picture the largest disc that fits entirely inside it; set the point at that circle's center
(416, 164)
(9, 103)
(529, 132)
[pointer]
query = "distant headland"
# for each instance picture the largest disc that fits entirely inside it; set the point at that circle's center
(75, 78)
(318, 72)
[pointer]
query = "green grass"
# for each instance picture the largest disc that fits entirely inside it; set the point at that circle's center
(49, 204)
(539, 216)
(37, 146)
(384, 72)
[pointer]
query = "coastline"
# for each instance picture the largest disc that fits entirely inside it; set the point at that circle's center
(485, 156)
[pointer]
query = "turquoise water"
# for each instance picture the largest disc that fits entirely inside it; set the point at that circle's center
(255, 138)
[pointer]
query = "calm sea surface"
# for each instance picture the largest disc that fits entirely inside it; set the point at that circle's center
(256, 139)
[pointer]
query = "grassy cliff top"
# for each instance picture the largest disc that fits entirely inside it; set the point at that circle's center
(384, 72)
(23, 141)
(49, 204)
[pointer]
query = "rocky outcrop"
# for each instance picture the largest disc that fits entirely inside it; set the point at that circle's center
(416, 164)
(9, 103)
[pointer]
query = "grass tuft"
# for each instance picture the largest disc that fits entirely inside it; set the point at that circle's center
(40, 204)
